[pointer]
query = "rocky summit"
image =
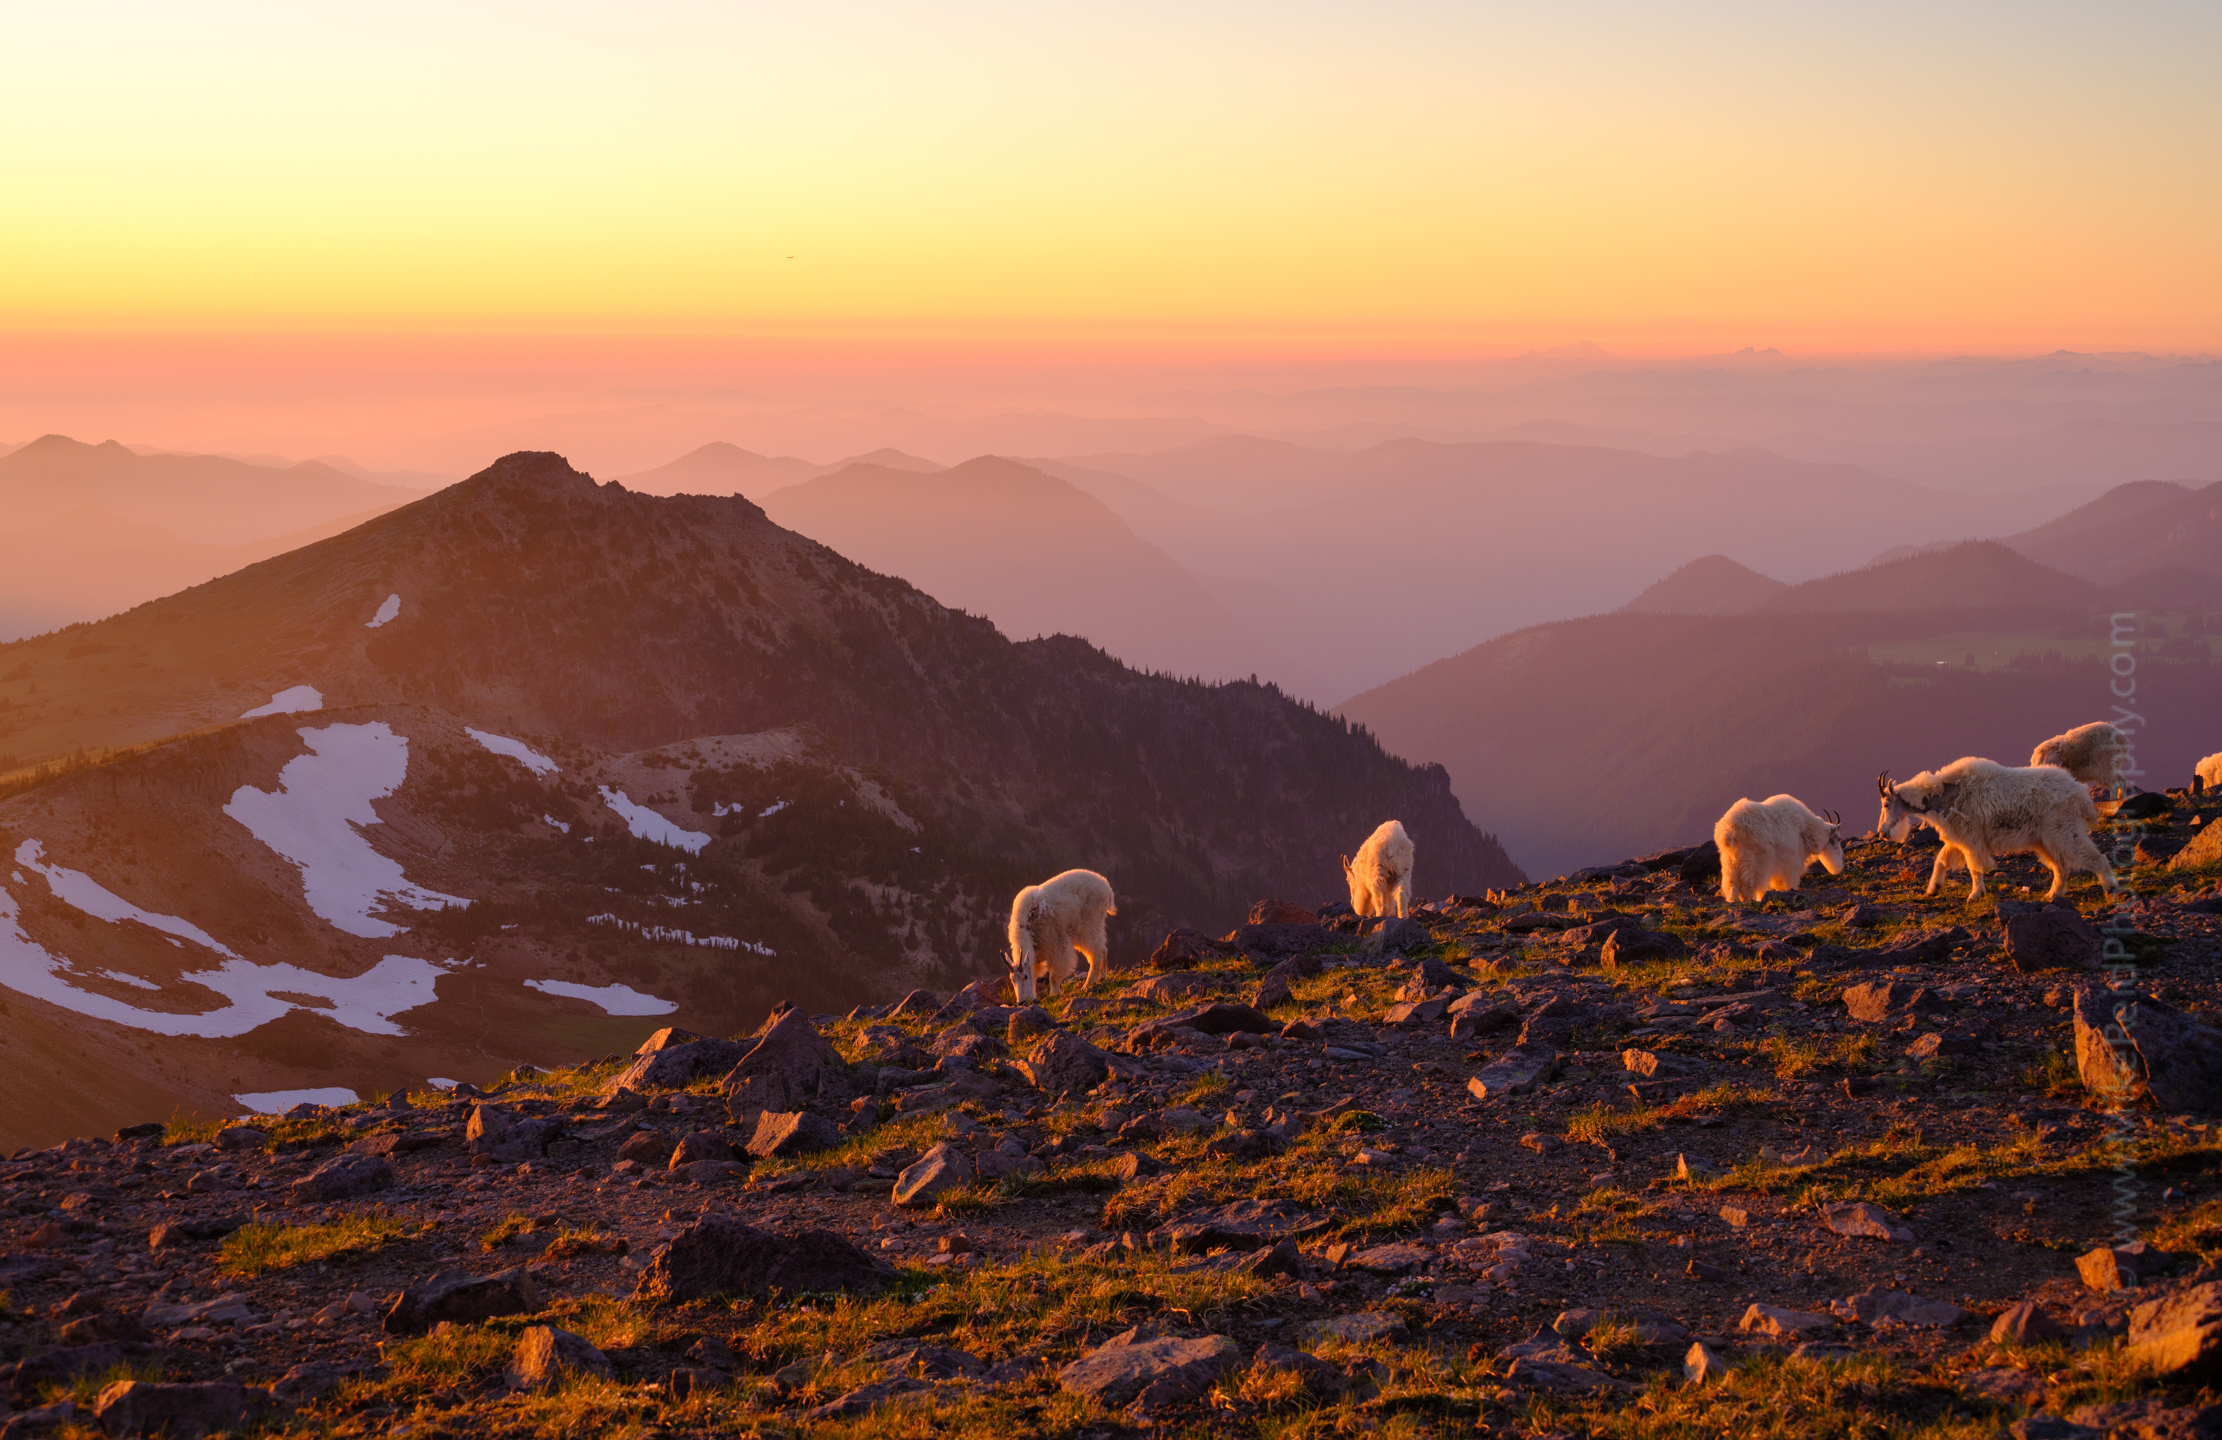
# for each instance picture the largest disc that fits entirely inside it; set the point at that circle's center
(1856, 1160)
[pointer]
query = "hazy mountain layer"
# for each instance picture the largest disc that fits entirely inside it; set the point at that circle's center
(1030, 552)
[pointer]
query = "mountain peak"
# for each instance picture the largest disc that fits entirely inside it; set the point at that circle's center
(538, 470)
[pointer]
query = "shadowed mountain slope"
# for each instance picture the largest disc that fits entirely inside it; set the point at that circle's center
(1976, 574)
(2131, 530)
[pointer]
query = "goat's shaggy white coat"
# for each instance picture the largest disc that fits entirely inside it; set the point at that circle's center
(2091, 753)
(1381, 877)
(1982, 809)
(1768, 844)
(2209, 771)
(1056, 923)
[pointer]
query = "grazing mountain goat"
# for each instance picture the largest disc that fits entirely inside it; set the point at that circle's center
(1381, 877)
(2088, 752)
(1767, 845)
(2209, 771)
(1982, 809)
(1053, 924)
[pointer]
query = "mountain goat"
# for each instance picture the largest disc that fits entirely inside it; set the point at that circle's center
(2090, 753)
(1055, 923)
(1767, 845)
(2209, 771)
(1381, 877)
(1982, 809)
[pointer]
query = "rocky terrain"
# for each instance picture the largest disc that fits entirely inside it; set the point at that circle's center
(1598, 1156)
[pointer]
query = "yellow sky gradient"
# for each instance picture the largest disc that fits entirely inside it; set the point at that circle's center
(1423, 176)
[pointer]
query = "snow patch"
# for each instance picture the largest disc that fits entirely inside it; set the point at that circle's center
(294, 700)
(312, 819)
(772, 809)
(122, 979)
(441, 1082)
(251, 992)
(560, 825)
(81, 892)
(277, 1102)
(614, 999)
(681, 937)
(386, 612)
(516, 750)
(648, 825)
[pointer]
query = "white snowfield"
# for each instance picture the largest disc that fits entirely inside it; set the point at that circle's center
(81, 892)
(516, 750)
(648, 825)
(614, 999)
(277, 1102)
(294, 700)
(312, 819)
(253, 994)
(680, 937)
(387, 611)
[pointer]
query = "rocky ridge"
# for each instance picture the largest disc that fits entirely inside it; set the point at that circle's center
(1601, 1155)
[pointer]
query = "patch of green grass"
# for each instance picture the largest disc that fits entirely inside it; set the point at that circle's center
(184, 1129)
(506, 1229)
(1799, 1059)
(1601, 1123)
(2054, 1076)
(259, 1249)
(1205, 1089)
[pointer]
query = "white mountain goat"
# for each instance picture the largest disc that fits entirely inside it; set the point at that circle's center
(1982, 809)
(2090, 753)
(1767, 845)
(1053, 925)
(1381, 877)
(2209, 771)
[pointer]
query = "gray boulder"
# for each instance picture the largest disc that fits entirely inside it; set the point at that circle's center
(791, 1132)
(1129, 1370)
(2049, 937)
(546, 1356)
(676, 1065)
(2129, 1043)
(343, 1177)
(790, 1067)
(1064, 1063)
(145, 1407)
(939, 1170)
(723, 1256)
(462, 1298)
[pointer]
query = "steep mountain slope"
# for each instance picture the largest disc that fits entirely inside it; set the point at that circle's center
(1708, 585)
(201, 499)
(1974, 575)
(2133, 529)
(533, 738)
(1030, 552)
(87, 563)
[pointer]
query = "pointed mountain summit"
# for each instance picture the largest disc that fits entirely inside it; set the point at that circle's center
(1708, 585)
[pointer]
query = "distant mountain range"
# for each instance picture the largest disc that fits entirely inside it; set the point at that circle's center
(93, 529)
(722, 469)
(1036, 555)
(496, 775)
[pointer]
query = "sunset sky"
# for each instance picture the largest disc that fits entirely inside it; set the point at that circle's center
(1423, 177)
